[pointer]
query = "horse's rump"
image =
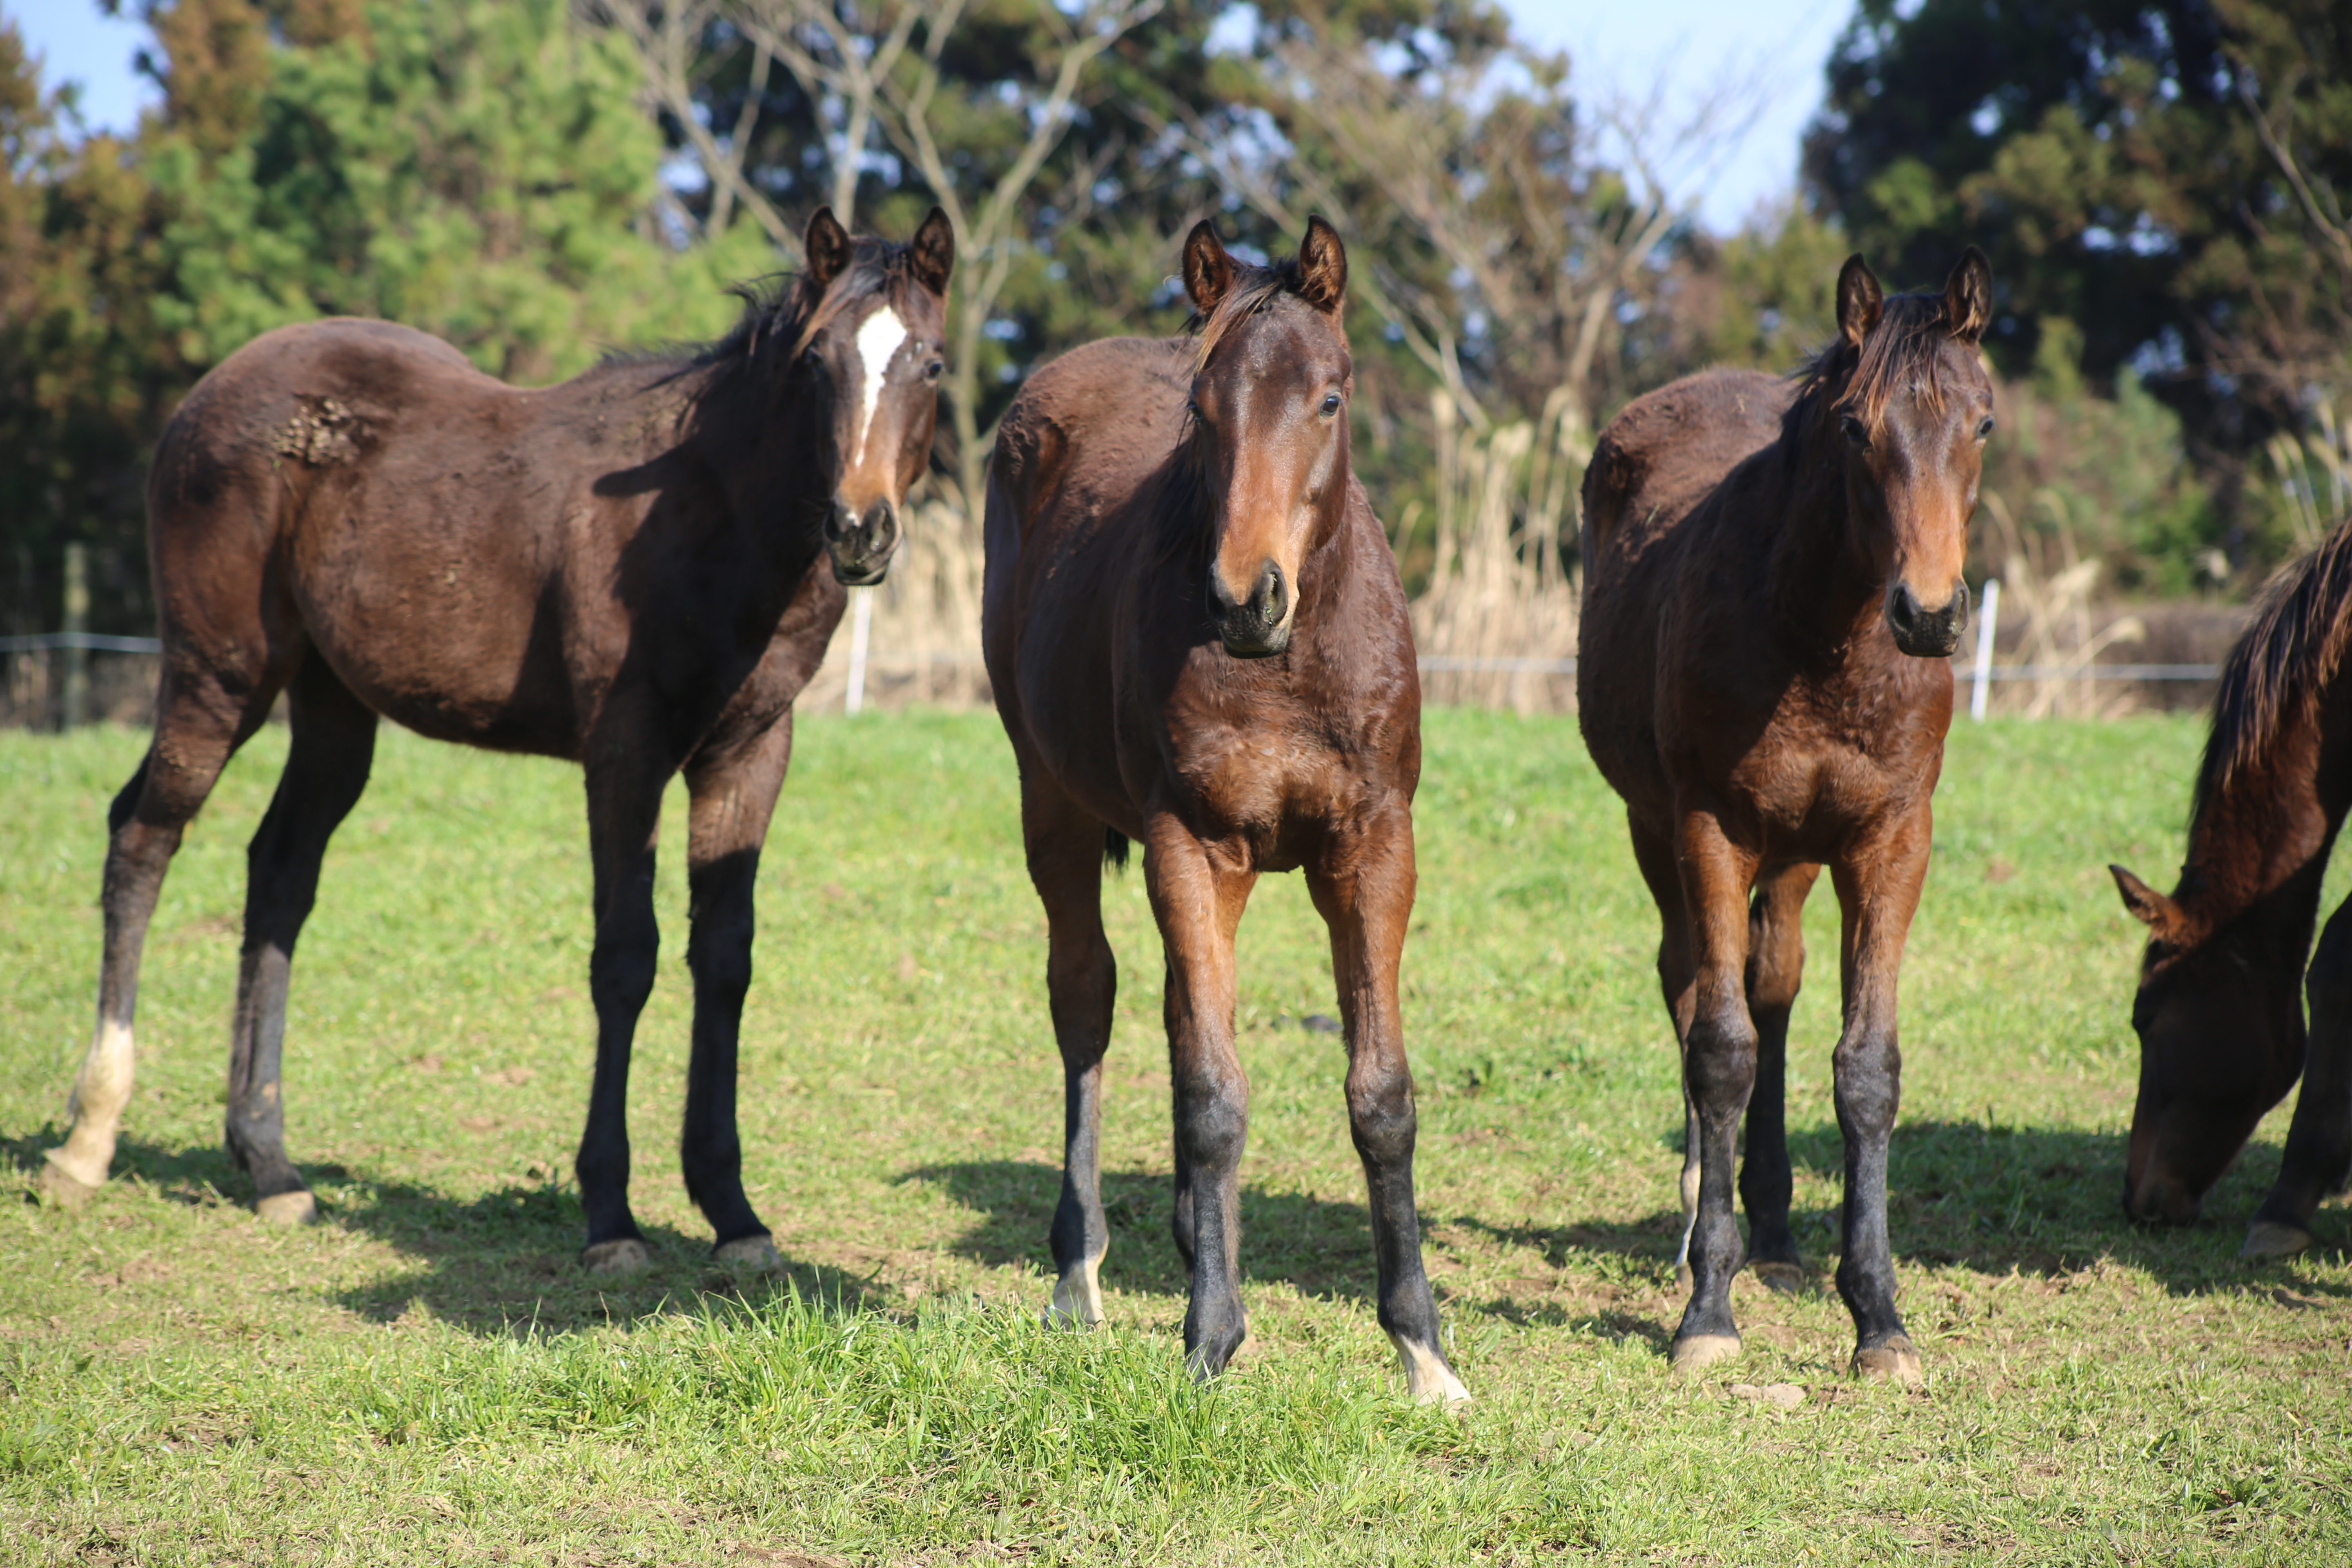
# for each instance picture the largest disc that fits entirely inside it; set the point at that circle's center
(1661, 454)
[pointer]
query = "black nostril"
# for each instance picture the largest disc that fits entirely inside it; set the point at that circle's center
(1906, 611)
(1272, 597)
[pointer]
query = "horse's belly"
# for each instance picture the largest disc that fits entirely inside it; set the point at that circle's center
(460, 645)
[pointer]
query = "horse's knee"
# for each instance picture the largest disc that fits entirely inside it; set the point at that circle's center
(1868, 1085)
(719, 954)
(1719, 1062)
(1381, 1115)
(622, 968)
(1212, 1121)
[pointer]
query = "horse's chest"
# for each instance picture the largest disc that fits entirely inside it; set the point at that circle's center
(1264, 784)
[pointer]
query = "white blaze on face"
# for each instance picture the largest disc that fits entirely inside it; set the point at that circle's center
(877, 340)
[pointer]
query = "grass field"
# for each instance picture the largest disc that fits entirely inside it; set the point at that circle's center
(424, 1377)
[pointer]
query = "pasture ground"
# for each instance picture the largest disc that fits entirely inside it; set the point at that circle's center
(425, 1376)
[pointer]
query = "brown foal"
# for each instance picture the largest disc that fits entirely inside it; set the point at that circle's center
(1772, 584)
(2222, 1030)
(1198, 640)
(627, 570)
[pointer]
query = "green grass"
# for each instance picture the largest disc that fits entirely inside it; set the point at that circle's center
(424, 1377)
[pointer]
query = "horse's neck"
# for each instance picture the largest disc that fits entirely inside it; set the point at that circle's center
(1822, 594)
(2259, 846)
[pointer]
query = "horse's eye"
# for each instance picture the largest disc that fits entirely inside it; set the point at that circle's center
(1192, 410)
(934, 369)
(1854, 431)
(1330, 404)
(1984, 427)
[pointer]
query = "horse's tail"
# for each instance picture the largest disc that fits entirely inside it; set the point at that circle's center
(2282, 667)
(1115, 849)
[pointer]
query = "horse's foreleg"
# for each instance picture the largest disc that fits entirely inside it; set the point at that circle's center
(732, 797)
(326, 768)
(1676, 982)
(197, 726)
(1364, 890)
(624, 790)
(1198, 903)
(2319, 1140)
(1877, 892)
(1719, 1073)
(1776, 962)
(1065, 848)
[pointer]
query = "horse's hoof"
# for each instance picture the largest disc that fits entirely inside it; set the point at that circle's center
(1697, 1353)
(1427, 1379)
(1788, 1279)
(1896, 1360)
(61, 1188)
(298, 1207)
(1077, 1297)
(627, 1256)
(2269, 1238)
(755, 1253)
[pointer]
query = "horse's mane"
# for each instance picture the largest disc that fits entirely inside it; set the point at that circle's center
(785, 306)
(1904, 348)
(2280, 669)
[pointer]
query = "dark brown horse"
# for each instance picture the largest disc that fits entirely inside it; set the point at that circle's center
(2222, 1033)
(1198, 640)
(1772, 584)
(626, 570)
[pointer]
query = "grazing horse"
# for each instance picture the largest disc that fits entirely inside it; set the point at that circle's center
(2221, 1035)
(625, 570)
(1198, 640)
(1772, 584)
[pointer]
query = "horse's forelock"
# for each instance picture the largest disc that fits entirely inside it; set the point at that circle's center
(1254, 290)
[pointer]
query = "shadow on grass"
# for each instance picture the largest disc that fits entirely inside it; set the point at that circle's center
(504, 1262)
(2042, 1202)
(1319, 1248)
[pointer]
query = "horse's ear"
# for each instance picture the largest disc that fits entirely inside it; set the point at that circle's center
(1208, 270)
(826, 247)
(1322, 266)
(1968, 296)
(931, 253)
(2150, 908)
(1858, 299)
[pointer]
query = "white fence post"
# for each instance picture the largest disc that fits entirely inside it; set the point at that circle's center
(1986, 622)
(861, 628)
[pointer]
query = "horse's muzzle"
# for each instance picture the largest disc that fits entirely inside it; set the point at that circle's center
(861, 547)
(1924, 633)
(1259, 626)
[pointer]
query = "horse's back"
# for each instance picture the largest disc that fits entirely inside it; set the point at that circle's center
(1069, 514)
(1653, 468)
(1091, 425)
(1661, 456)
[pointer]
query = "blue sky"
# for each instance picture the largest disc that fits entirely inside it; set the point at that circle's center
(1684, 47)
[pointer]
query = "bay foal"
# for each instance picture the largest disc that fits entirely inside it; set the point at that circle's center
(1198, 640)
(2220, 1023)
(1772, 585)
(627, 570)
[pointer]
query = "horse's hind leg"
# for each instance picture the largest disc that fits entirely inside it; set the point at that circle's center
(327, 766)
(199, 723)
(1364, 892)
(1676, 977)
(2319, 1140)
(731, 796)
(1065, 846)
(1776, 962)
